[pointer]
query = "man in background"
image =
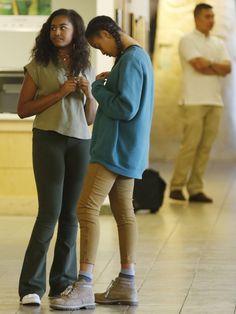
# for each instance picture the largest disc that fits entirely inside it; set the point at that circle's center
(204, 61)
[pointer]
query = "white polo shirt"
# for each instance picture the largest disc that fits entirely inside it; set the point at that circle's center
(198, 88)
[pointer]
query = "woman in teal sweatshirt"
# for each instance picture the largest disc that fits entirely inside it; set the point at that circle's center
(119, 153)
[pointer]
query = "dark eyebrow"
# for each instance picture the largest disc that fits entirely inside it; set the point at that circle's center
(63, 24)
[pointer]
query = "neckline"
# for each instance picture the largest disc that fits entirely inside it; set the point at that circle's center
(202, 34)
(131, 46)
(122, 53)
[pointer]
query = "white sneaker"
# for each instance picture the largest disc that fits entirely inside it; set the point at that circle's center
(31, 299)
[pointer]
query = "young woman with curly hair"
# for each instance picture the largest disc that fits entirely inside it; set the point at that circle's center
(57, 90)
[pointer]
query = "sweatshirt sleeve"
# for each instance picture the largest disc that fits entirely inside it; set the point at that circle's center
(121, 103)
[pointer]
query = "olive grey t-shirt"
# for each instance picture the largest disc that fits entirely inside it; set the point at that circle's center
(66, 116)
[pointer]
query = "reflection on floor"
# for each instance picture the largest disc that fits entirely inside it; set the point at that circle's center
(186, 254)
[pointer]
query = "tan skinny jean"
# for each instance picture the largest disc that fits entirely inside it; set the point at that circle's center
(100, 182)
(201, 124)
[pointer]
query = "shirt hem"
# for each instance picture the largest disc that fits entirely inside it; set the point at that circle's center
(118, 170)
(62, 133)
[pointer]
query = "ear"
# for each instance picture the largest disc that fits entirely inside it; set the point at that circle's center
(105, 34)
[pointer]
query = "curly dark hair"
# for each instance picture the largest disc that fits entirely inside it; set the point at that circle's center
(106, 23)
(44, 50)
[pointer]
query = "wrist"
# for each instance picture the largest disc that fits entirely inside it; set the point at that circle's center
(89, 97)
(59, 95)
(210, 65)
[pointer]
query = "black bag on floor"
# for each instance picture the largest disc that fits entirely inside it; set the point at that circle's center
(149, 191)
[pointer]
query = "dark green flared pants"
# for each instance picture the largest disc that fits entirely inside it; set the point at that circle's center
(59, 163)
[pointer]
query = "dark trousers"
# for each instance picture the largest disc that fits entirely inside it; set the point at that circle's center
(60, 163)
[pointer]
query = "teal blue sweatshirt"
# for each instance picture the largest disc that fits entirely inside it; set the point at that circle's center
(121, 131)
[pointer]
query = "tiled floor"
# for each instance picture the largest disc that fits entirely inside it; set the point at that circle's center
(186, 255)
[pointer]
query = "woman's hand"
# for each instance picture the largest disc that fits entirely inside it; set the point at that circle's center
(68, 87)
(84, 85)
(102, 76)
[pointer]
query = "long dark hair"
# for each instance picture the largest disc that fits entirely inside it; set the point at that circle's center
(103, 22)
(44, 50)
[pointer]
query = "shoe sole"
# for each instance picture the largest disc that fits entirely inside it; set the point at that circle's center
(32, 299)
(177, 200)
(31, 304)
(72, 308)
(118, 302)
(203, 202)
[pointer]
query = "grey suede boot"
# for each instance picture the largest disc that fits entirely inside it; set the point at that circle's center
(120, 291)
(80, 296)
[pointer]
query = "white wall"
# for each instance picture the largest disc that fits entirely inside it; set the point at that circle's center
(104, 63)
(17, 37)
(15, 49)
(140, 8)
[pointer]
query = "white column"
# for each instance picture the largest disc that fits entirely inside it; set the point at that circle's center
(225, 27)
(104, 7)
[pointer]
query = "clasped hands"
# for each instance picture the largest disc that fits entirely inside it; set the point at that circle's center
(74, 83)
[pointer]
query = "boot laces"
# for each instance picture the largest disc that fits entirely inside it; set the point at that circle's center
(68, 290)
(109, 288)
